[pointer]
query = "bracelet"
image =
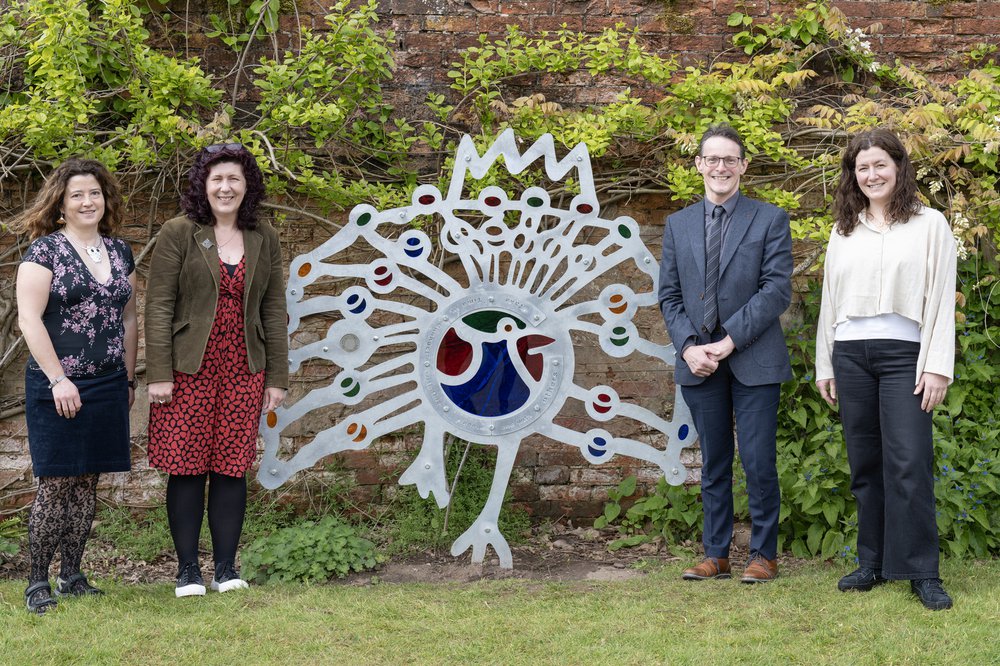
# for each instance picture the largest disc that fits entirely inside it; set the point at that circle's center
(56, 381)
(131, 383)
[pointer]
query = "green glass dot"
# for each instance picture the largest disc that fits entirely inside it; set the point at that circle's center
(346, 383)
(535, 202)
(364, 219)
(618, 330)
(624, 231)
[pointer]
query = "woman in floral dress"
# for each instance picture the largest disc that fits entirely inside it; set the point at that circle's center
(76, 310)
(216, 355)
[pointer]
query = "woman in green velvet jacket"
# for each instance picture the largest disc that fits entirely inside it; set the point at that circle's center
(216, 355)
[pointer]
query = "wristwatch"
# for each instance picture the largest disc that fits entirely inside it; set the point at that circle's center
(131, 384)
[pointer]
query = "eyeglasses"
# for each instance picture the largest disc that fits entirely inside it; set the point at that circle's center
(219, 147)
(713, 160)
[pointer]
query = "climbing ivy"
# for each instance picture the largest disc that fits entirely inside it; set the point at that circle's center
(81, 78)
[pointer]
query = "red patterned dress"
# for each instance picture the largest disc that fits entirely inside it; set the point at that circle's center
(211, 423)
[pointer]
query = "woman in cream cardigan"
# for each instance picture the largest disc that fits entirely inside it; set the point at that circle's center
(885, 352)
(216, 355)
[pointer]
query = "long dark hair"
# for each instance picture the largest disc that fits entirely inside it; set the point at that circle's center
(849, 201)
(42, 216)
(194, 201)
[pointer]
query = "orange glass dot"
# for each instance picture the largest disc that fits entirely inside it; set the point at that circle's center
(304, 269)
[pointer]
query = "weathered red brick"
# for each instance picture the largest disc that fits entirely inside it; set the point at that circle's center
(599, 23)
(450, 23)
(521, 7)
(929, 26)
(567, 456)
(958, 9)
(751, 7)
(552, 474)
(582, 7)
(981, 26)
(557, 23)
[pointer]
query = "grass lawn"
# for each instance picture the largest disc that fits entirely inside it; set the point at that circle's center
(657, 619)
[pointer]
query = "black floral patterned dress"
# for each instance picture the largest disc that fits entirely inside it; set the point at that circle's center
(84, 320)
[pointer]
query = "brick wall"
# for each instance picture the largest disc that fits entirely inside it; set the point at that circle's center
(550, 479)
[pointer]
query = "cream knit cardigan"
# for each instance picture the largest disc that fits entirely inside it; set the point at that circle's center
(907, 269)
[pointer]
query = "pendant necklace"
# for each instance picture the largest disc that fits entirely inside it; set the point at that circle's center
(222, 245)
(93, 251)
(235, 233)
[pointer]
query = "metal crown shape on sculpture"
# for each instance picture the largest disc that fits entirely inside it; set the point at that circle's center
(487, 357)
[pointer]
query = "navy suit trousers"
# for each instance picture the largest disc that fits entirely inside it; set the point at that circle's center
(714, 403)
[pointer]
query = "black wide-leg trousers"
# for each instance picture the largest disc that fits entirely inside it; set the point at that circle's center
(891, 455)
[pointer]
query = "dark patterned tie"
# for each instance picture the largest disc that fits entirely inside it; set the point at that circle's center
(713, 244)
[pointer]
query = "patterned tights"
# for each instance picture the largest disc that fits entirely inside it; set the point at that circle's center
(61, 517)
(227, 503)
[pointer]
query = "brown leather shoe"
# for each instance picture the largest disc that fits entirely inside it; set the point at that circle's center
(760, 570)
(709, 568)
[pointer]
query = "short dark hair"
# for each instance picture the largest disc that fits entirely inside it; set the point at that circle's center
(849, 200)
(42, 216)
(194, 201)
(726, 131)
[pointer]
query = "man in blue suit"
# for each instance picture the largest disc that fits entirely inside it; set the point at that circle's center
(725, 278)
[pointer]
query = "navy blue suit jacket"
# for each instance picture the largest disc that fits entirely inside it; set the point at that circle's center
(755, 287)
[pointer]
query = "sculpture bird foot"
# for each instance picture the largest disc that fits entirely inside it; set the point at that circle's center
(484, 533)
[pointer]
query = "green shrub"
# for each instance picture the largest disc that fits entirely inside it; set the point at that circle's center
(671, 512)
(139, 534)
(12, 532)
(414, 523)
(818, 514)
(966, 431)
(312, 551)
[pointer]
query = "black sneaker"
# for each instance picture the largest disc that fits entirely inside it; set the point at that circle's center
(861, 579)
(931, 593)
(38, 597)
(75, 586)
(189, 581)
(227, 578)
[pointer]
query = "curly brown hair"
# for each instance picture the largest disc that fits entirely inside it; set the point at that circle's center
(194, 201)
(849, 201)
(42, 216)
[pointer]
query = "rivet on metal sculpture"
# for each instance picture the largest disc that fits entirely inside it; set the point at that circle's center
(491, 361)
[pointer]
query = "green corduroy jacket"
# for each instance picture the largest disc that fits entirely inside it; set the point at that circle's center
(183, 290)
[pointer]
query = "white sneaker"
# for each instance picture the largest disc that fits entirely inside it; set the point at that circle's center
(189, 581)
(227, 578)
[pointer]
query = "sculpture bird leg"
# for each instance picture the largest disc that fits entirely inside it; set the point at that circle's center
(427, 470)
(485, 530)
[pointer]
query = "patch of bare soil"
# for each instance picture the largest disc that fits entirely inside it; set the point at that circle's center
(553, 552)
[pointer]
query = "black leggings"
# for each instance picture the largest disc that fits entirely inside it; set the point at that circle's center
(61, 517)
(227, 504)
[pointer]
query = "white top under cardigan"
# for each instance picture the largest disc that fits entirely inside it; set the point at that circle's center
(907, 269)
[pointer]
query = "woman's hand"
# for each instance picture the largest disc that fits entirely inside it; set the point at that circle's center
(67, 398)
(273, 397)
(934, 387)
(160, 392)
(828, 390)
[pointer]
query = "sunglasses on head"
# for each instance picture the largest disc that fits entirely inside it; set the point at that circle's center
(219, 147)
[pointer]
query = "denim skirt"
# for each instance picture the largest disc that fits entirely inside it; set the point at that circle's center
(95, 440)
